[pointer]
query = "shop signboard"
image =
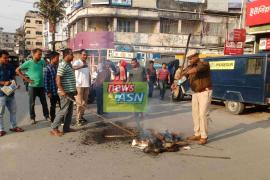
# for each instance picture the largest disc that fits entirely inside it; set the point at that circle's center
(258, 13)
(100, 2)
(233, 48)
(237, 35)
(121, 2)
(264, 44)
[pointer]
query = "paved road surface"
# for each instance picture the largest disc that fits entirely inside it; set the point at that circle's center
(34, 155)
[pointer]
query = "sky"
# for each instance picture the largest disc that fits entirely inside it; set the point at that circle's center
(13, 11)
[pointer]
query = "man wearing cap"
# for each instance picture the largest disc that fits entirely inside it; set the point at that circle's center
(199, 77)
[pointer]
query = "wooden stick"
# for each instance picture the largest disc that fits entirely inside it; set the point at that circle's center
(117, 126)
(205, 156)
(185, 55)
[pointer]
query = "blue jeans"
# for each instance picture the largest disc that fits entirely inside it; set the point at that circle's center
(162, 88)
(151, 88)
(10, 103)
(99, 99)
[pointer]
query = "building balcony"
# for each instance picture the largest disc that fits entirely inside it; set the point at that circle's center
(109, 40)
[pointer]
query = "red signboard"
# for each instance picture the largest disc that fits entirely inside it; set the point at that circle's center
(258, 13)
(233, 48)
(237, 35)
(264, 44)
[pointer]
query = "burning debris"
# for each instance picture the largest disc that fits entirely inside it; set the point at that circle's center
(159, 142)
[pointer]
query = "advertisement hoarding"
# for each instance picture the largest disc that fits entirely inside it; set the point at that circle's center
(92, 40)
(121, 2)
(258, 13)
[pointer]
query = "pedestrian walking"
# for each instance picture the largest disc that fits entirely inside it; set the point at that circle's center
(151, 78)
(104, 75)
(50, 83)
(34, 70)
(83, 78)
(7, 74)
(65, 80)
(163, 80)
(199, 77)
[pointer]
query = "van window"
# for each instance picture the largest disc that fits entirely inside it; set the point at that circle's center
(254, 66)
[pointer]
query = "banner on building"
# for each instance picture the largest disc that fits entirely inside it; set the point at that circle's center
(92, 40)
(100, 1)
(237, 35)
(125, 97)
(233, 48)
(121, 2)
(258, 13)
(264, 44)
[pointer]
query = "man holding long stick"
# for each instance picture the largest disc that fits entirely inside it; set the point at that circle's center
(199, 77)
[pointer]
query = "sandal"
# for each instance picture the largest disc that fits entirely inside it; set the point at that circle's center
(2, 133)
(17, 129)
(56, 132)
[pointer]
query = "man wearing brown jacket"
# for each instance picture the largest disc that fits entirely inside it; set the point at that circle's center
(199, 77)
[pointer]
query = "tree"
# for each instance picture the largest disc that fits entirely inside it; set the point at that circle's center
(53, 11)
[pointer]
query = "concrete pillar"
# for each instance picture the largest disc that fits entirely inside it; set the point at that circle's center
(114, 24)
(157, 30)
(75, 28)
(179, 26)
(136, 25)
(86, 24)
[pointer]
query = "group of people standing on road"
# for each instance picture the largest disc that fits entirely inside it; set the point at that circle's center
(67, 81)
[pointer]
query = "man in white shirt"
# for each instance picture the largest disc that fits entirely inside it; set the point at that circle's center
(82, 73)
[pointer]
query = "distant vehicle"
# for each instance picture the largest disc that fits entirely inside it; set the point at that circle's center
(241, 81)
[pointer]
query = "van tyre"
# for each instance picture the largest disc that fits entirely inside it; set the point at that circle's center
(234, 107)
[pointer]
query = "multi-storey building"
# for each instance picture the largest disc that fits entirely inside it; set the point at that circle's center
(131, 27)
(33, 30)
(7, 40)
(61, 37)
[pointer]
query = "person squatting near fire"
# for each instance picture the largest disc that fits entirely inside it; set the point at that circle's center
(163, 80)
(66, 84)
(82, 74)
(50, 83)
(7, 75)
(34, 70)
(198, 73)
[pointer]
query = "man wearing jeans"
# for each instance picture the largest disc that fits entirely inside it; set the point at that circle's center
(66, 84)
(151, 78)
(82, 74)
(34, 69)
(163, 80)
(7, 74)
(50, 83)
